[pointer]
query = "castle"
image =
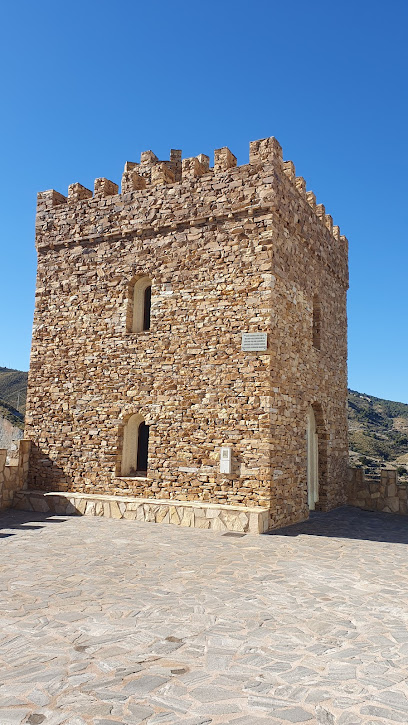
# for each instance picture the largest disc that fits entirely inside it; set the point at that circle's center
(189, 344)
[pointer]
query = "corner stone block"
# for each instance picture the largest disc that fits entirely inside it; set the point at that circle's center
(131, 181)
(311, 199)
(329, 222)
(162, 174)
(289, 170)
(265, 149)
(321, 211)
(48, 199)
(224, 159)
(130, 165)
(300, 184)
(192, 167)
(77, 192)
(204, 161)
(258, 522)
(148, 157)
(104, 187)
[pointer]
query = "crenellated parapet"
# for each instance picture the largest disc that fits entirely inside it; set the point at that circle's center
(146, 182)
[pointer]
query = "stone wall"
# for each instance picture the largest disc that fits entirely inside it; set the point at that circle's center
(13, 476)
(9, 435)
(229, 250)
(383, 493)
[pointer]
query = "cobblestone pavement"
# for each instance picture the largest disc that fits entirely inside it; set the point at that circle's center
(108, 621)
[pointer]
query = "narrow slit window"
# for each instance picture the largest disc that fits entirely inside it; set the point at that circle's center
(317, 323)
(147, 306)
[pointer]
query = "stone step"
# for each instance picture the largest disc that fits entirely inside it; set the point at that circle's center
(196, 514)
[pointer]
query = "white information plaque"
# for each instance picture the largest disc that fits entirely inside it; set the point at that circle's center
(254, 341)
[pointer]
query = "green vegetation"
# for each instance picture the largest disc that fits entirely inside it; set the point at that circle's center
(378, 429)
(13, 389)
(11, 414)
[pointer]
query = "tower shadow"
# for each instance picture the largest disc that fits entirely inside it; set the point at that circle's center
(349, 522)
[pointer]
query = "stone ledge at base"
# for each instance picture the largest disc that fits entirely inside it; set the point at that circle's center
(195, 514)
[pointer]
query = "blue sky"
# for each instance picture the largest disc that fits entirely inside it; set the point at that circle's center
(88, 85)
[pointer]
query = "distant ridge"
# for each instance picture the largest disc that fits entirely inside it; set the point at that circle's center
(378, 429)
(13, 389)
(11, 414)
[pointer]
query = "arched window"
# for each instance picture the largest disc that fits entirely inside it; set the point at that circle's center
(317, 322)
(135, 447)
(140, 304)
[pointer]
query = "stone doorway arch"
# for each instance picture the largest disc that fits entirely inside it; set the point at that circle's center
(312, 460)
(316, 457)
(135, 444)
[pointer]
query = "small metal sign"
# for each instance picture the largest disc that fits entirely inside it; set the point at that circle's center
(254, 341)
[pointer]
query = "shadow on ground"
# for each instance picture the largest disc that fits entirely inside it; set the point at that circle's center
(345, 522)
(12, 521)
(348, 522)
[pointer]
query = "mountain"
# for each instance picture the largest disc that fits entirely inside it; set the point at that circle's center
(7, 412)
(378, 431)
(13, 388)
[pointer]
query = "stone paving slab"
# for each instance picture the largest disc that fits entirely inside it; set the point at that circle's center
(109, 622)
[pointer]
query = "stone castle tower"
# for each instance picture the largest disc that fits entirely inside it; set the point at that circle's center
(189, 344)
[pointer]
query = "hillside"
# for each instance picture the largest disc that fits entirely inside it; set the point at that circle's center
(13, 388)
(7, 412)
(378, 431)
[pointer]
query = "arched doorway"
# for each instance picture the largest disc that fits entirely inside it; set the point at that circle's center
(312, 460)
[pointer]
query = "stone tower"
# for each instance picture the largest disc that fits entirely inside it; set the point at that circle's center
(189, 343)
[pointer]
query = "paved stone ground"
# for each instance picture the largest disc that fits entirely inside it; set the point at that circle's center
(107, 621)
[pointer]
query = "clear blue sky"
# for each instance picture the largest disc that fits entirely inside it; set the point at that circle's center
(88, 85)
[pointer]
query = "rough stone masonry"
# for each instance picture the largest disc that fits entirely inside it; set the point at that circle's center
(222, 251)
